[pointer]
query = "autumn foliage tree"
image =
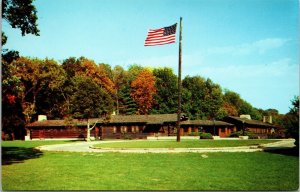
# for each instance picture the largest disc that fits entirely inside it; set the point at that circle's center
(36, 75)
(84, 67)
(143, 91)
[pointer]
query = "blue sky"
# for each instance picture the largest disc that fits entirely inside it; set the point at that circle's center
(250, 46)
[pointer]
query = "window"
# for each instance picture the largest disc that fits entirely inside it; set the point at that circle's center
(123, 129)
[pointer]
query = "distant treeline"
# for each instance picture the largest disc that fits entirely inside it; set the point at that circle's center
(80, 88)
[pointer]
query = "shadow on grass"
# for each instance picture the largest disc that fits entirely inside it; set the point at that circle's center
(290, 151)
(11, 155)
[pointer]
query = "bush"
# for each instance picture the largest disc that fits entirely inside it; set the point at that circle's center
(235, 134)
(8, 137)
(205, 136)
(247, 133)
(274, 136)
(127, 136)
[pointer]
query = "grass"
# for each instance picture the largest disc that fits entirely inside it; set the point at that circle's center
(118, 171)
(19, 151)
(183, 144)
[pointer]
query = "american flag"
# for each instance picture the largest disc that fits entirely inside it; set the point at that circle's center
(162, 36)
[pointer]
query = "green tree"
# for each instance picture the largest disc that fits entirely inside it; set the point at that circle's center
(120, 80)
(213, 100)
(127, 106)
(167, 91)
(89, 100)
(193, 94)
(235, 102)
(232, 98)
(246, 108)
(291, 121)
(21, 14)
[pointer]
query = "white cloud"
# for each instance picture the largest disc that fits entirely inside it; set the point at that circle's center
(235, 71)
(260, 46)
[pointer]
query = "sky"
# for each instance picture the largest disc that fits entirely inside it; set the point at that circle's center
(250, 47)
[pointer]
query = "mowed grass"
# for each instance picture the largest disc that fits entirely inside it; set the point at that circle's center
(35, 143)
(183, 144)
(185, 171)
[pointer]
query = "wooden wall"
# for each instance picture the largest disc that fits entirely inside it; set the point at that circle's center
(59, 132)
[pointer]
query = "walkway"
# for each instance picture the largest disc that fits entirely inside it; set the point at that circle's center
(88, 147)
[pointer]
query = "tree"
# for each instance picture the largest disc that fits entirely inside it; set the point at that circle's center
(234, 101)
(246, 108)
(89, 100)
(143, 91)
(120, 79)
(204, 98)
(230, 109)
(232, 98)
(291, 121)
(35, 76)
(20, 14)
(193, 96)
(167, 91)
(88, 68)
(213, 100)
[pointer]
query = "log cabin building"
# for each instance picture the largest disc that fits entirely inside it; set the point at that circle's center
(218, 128)
(136, 127)
(259, 128)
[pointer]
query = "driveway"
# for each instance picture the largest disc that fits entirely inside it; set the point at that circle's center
(88, 147)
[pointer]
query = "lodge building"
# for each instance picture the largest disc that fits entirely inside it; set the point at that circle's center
(141, 126)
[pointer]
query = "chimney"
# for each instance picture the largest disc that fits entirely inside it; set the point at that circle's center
(42, 118)
(268, 119)
(246, 116)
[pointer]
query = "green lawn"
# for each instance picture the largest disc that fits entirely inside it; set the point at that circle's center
(117, 171)
(183, 144)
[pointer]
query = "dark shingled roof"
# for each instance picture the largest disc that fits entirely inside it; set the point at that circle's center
(115, 119)
(248, 121)
(206, 123)
(149, 119)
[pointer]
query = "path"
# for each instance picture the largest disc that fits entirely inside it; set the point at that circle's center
(87, 147)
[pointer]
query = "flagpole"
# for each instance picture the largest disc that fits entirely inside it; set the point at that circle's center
(179, 83)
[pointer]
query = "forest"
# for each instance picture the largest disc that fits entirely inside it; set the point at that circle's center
(81, 88)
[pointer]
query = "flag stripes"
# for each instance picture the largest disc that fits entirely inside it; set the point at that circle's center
(162, 36)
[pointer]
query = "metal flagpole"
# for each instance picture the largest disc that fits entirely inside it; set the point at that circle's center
(179, 83)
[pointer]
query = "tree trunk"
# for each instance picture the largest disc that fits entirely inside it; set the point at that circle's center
(88, 135)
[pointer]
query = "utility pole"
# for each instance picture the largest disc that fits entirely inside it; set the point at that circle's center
(179, 83)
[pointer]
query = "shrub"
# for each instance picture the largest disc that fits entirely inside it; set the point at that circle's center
(127, 136)
(8, 137)
(274, 136)
(235, 134)
(205, 136)
(246, 133)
